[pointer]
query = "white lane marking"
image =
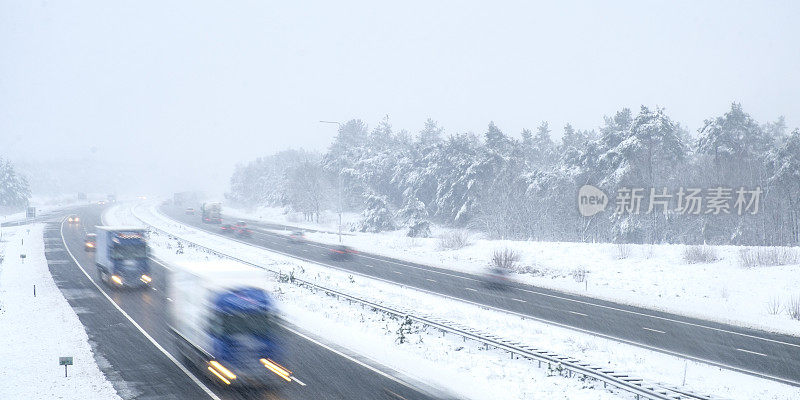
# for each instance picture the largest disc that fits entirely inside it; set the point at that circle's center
(298, 381)
(368, 266)
(169, 299)
(519, 300)
(652, 330)
(337, 352)
(431, 280)
(146, 335)
(427, 269)
(394, 394)
(752, 352)
(660, 318)
(469, 288)
(566, 326)
(577, 313)
(399, 273)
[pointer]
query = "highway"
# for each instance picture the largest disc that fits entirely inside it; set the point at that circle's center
(765, 354)
(129, 333)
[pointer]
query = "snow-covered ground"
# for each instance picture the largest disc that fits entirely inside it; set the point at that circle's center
(444, 361)
(36, 331)
(652, 276)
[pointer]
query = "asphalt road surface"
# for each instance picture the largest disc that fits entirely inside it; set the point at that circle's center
(128, 330)
(769, 355)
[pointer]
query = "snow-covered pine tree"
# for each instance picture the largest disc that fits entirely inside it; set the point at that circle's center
(646, 158)
(785, 181)
(376, 217)
(14, 189)
(341, 162)
(732, 148)
(416, 218)
(736, 144)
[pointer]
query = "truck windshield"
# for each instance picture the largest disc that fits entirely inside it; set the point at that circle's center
(259, 324)
(128, 252)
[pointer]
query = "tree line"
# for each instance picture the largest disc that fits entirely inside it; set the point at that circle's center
(14, 189)
(527, 187)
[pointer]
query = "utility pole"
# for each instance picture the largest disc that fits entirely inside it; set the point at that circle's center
(338, 186)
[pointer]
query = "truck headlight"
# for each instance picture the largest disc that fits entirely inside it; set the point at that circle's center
(277, 369)
(116, 279)
(219, 371)
(146, 279)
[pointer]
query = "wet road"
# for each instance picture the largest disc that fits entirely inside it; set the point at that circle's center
(765, 354)
(129, 333)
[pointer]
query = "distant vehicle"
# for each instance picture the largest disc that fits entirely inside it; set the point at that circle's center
(226, 228)
(241, 229)
(341, 253)
(112, 198)
(121, 256)
(297, 237)
(224, 326)
(90, 243)
(189, 211)
(73, 219)
(496, 278)
(30, 212)
(141, 197)
(101, 202)
(212, 212)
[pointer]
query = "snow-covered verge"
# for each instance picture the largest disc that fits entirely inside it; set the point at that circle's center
(651, 276)
(328, 221)
(36, 331)
(442, 361)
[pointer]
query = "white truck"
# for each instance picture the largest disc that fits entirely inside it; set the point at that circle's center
(225, 324)
(212, 212)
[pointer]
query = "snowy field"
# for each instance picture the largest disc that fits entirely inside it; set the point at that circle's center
(652, 276)
(36, 331)
(444, 361)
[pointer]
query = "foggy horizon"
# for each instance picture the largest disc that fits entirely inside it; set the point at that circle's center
(226, 85)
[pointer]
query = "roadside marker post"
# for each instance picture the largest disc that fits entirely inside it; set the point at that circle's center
(65, 361)
(22, 257)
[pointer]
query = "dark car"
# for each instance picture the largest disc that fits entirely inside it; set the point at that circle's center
(241, 229)
(341, 252)
(496, 278)
(190, 211)
(73, 219)
(90, 243)
(297, 237)
(226, 228)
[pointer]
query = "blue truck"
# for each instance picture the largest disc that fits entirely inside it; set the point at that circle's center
(121, 256)
(225, 325)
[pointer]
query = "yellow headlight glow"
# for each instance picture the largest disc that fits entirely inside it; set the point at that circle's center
(222, 369)
(277, 369)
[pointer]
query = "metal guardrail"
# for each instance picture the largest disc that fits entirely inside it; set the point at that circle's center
(569, 365)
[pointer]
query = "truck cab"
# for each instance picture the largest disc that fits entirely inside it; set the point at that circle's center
(121, 256)
(225, 325)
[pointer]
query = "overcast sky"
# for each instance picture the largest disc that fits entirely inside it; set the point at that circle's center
(199, 86)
